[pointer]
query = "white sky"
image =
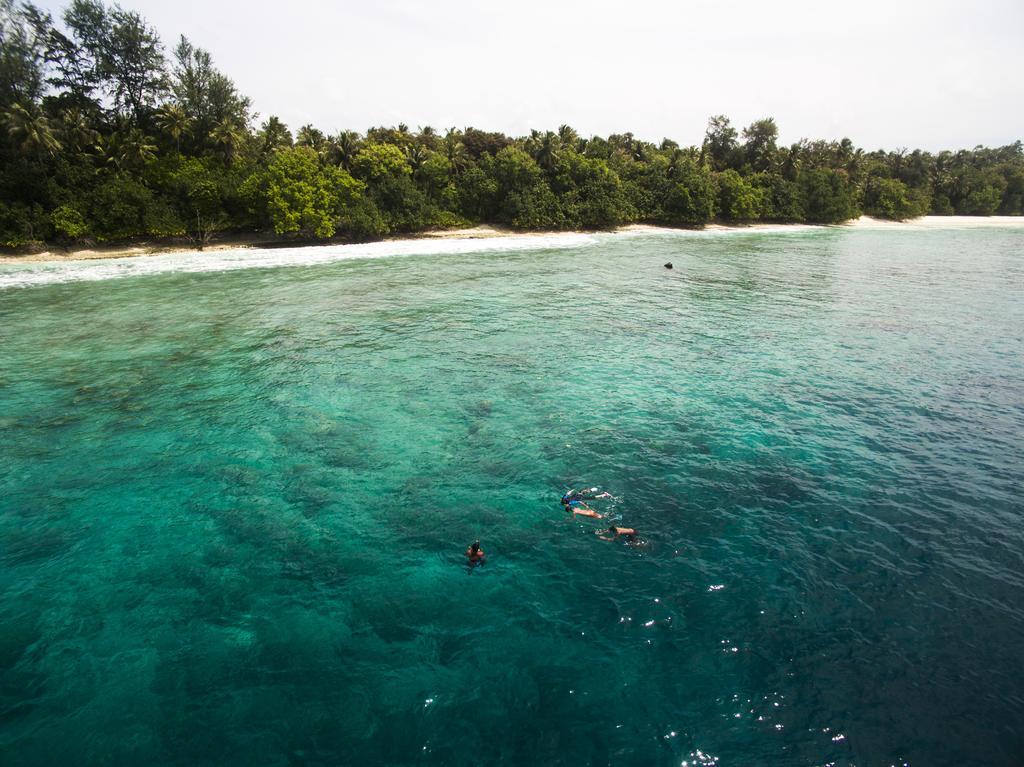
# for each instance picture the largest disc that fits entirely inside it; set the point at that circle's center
(887, 73)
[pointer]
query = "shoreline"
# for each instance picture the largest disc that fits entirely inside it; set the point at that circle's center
(489, 231)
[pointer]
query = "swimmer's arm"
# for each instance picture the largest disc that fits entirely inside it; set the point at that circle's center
(607, 537)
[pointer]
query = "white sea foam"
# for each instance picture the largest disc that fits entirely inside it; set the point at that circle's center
(50, 272)
(34, 273)
(28, 274)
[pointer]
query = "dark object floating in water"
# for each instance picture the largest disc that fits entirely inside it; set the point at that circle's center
(668, 265)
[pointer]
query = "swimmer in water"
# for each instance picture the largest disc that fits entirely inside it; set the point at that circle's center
(613, 532)
(574, 502)
(586, 494)
(475, 554)
(576, 507)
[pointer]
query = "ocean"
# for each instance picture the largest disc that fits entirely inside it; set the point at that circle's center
(236, 489)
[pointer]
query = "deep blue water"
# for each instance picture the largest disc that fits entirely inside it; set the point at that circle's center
(233, 505)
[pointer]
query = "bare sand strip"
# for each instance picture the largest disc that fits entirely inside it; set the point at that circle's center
(487, 232)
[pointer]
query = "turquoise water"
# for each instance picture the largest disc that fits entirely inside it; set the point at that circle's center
(233, 504)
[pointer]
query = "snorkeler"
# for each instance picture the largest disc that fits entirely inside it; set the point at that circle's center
(475, 554)
(614, 532)
(578, 507)
(586, 494)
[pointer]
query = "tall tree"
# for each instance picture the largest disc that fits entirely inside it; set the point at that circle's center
(759, 144)
(24, 41)
(124, 54)
(719, 142)
(207, 96)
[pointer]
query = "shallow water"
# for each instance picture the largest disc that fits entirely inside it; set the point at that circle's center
(233, 504)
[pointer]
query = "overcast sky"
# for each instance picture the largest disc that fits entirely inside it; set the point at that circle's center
(886, 73)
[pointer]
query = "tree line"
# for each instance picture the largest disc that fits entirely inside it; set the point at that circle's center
(107, 135)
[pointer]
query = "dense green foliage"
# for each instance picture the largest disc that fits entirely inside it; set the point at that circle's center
(105, 137)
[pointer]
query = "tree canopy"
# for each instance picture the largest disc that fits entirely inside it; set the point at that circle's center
(107, 135)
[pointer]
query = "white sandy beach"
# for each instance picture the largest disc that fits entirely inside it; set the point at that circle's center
(490, 232)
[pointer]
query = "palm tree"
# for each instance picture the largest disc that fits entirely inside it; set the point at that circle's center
(108, 149)
(428, 137)
(31, 132)
(623, 142)
(415, 154)
(228, 137)
(173, 121)
(641, 150)
(676, 158)
(454, 150)
(274, 134)
(854, 163)
(126, 150)
(790, 164)
(76, 131)
(346, 146)
(312, 137)
(547, 152)
(136, 150)
(567, 136)
(532, 142)
(895, 160)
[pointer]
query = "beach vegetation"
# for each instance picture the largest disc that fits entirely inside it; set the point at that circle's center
(106, 134)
